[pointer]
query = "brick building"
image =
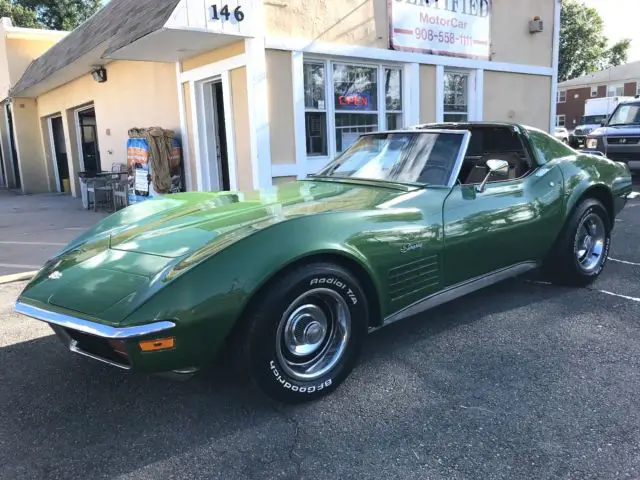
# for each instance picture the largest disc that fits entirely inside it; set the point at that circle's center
(623, 80)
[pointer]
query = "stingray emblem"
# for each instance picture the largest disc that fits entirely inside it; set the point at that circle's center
(55, 275)
(410, 247)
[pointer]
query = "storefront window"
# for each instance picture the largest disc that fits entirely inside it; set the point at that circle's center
(354, 103)
(456, 97)
(355, 90)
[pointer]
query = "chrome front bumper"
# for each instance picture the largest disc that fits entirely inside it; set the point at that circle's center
(76, 333)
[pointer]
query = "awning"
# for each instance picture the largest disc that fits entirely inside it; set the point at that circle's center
(147, 30)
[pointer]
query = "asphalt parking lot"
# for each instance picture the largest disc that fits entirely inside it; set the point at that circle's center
(35, 227)
(521, 380)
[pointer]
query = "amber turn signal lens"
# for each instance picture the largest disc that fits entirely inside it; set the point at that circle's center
(157, 344)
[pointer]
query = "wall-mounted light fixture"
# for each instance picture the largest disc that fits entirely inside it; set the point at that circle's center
(99, 74)
(536, 25)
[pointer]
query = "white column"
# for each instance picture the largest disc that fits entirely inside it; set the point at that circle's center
(478, 113)
(554, 63)
(184, 135)
(257, 93)
(411, 93)
(195, 125)
(297, 72)
(439, 93)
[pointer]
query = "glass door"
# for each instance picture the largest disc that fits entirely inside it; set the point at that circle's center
(89, 139)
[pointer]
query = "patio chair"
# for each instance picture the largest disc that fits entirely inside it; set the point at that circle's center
(102, 190)
(96, 191)
(121, 191)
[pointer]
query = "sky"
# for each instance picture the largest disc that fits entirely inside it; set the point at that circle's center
(620, 22)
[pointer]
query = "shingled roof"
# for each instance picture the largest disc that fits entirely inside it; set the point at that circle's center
(116, 25)
(627, 71)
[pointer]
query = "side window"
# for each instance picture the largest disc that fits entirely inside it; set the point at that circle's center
(547, 147)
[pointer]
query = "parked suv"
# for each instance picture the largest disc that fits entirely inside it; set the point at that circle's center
(619, 136)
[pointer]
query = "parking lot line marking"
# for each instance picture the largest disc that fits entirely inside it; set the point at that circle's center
(618, 295)
(538, 282)
(47, 244)
(16, 277)
(624, 261)
(16, 265)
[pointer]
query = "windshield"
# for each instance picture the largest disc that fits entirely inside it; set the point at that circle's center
(404, 157)
(593, 119)
(627, 114)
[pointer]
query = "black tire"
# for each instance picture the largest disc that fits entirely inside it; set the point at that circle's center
(563, 265)
(264, 355)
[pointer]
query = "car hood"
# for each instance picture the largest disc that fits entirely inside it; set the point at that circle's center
(183, 223)
(119, 263)
(587, 127)
(617, 130)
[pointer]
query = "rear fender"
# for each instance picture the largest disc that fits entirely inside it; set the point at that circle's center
(589, 177)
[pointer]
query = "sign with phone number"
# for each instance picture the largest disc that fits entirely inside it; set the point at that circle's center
(460, 29)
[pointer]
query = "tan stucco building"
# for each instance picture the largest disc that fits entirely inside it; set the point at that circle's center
(264, 91)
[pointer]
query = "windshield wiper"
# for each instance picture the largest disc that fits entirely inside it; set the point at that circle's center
(622, 124)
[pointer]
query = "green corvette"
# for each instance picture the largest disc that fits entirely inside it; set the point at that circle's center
(289, 280)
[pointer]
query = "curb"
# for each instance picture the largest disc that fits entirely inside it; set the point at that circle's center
(17, 277)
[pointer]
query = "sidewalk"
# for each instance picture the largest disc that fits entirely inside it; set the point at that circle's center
(34, 227)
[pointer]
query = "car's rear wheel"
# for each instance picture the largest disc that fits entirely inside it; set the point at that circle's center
(582, 249)
(305, 333)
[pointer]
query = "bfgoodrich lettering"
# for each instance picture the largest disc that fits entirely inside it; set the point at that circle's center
(477, 8)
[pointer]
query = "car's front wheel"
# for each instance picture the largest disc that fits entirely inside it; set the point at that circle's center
(582, 249)
(305, 333)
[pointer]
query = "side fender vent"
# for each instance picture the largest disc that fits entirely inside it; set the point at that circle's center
(413, 277)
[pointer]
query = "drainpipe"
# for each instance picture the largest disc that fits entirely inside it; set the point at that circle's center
(554, 64)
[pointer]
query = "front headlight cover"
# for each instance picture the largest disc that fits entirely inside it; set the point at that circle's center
(592, 143)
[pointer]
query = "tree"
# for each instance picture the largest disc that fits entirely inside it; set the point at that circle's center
(20, 16)
(583, 45)
(52, 14)
(62, 14)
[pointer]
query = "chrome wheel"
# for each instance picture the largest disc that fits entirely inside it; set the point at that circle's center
(313, 334)
(590, 243)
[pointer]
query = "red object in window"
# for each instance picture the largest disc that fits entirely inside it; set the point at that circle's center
(353, 100)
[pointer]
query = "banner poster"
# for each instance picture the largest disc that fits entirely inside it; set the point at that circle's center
(456, 28)
(140, 170)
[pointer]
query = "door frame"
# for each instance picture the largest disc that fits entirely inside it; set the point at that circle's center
(14, 149)
(196, 78)
(54, 154)
(76, 119)
(204, 118)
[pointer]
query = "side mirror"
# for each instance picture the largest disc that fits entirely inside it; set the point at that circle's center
(495, 166)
